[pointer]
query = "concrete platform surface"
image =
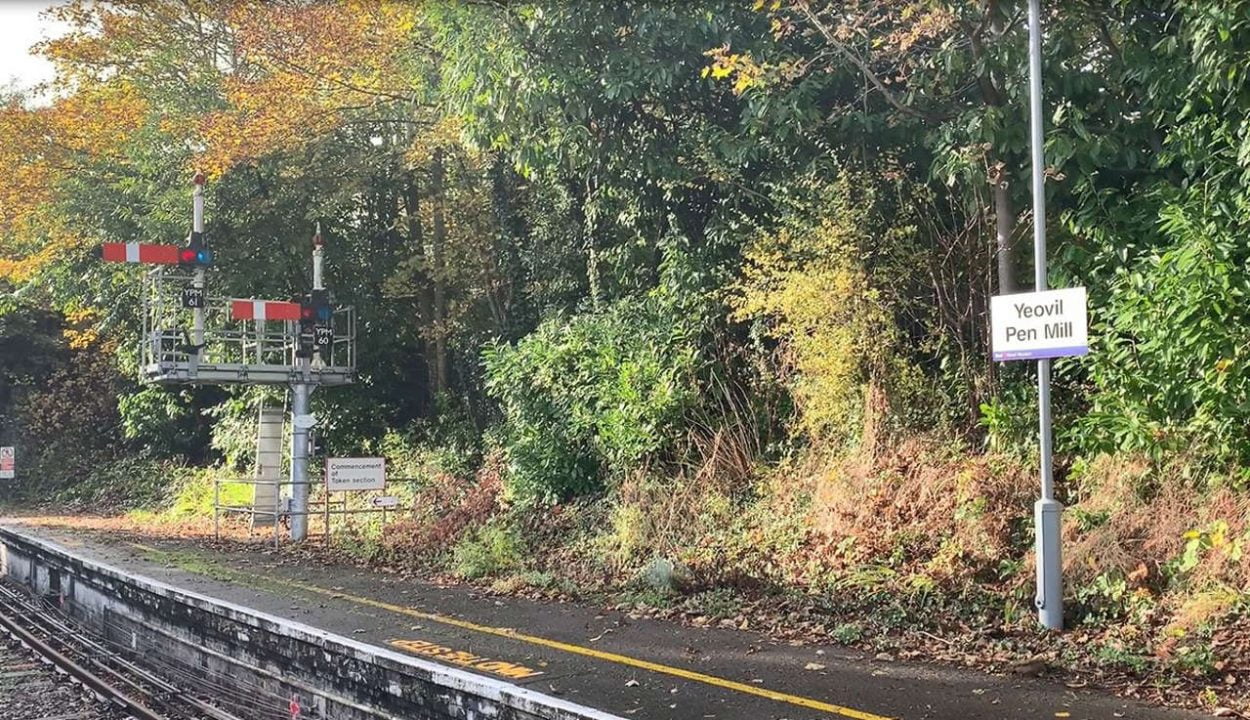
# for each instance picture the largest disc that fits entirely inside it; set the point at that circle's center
(635, 668)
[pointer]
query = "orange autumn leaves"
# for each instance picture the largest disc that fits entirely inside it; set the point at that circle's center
(40, 147)
(232, 82)
(305, 70)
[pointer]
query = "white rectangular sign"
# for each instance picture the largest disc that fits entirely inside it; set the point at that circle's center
(1036, 325)
(355, 474)
(385, 501)
(6, 462)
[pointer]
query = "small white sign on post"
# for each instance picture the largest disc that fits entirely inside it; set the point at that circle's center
(385, 501)
(7, 457)
(344, 474)
(1037, 325)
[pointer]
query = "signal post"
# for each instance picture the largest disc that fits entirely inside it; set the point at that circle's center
(300, 344)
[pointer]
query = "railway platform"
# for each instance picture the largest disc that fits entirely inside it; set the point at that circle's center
(622, 666)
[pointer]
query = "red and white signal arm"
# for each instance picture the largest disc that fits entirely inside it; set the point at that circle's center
(134, 252)
(264, 310)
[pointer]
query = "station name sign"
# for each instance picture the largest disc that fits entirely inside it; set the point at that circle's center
(1037, 325)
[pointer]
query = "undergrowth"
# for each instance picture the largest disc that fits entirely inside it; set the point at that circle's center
(926, 540)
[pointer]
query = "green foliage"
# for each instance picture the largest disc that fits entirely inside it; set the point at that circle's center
(595, 395)
(1197, 659)
(1118, 657)
(116, 484)
(495, 549)
(1171, 366)
(234, 426)
(1010, 419)
(1107, 599)
(847, 633)
(194, 494)
(448, 443)
(717, 603)
(603, 237)
(68, 428)
(1214, 540)
(627, 537)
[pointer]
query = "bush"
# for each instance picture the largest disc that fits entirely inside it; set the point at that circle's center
(446, 444)
(596, 394)
(67, 429)
(119, 483)
(833, 294)
(1170, 366)
(193, 495)
(446, 508)
(493, 550)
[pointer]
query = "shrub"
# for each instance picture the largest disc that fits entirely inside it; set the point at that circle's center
(445, 509)
(446, 444)
(595, 394)
(1170, 366)
(832, 290)
(493, 550)
(848, 633)
(120, 483)
(194, 493)
(68, 428)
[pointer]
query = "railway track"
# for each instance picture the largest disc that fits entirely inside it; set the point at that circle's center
(123, 688)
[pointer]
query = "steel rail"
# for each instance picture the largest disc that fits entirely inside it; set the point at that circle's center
(85, 676)
(56, 625)
(53, 619)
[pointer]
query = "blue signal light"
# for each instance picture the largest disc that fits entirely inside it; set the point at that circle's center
(324, 312)
(204, 256)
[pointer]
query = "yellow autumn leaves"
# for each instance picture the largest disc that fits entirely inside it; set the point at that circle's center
(42, 147)
(230, 81)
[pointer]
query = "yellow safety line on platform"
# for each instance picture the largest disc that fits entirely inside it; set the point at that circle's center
(574, 649)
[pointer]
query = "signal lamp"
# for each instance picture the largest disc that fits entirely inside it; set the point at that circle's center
(196, 253)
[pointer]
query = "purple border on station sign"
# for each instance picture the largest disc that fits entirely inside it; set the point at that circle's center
(1041, 353)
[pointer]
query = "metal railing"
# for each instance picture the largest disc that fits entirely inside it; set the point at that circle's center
(322, 506)
(256, 351)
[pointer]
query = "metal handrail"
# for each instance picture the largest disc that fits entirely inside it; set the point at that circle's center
(257, 346)
(279, 512)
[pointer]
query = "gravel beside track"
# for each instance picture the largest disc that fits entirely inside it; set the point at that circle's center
(33, 690)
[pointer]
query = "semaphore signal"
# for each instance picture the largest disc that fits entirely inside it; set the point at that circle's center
(265, 310)
(303, 343)
(196, 253)
(146, 253)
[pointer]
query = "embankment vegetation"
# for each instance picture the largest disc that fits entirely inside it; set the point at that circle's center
(684, 300)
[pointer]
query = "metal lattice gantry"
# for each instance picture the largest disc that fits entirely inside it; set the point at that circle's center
(244, 352)
(191, 337)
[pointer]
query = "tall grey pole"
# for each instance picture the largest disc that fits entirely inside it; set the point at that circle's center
(301, 393)
(301, 411)
(1047, 512)
(318, 258)
(197, 280)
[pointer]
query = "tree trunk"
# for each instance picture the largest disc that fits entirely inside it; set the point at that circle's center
(425, 298)
(1004, 211)
(1004, 227)
(579, 193)
(438, 273)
